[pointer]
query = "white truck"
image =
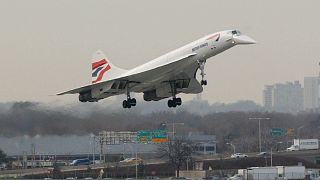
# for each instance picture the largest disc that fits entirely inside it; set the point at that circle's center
(304, 144)
(265, 173)
(291, 172)
(271, 173)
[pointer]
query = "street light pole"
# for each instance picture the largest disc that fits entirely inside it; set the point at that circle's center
(271, 152)
(173, 130)
(259, 135)
(188, 163)
(259, 118)
(271, 157)
(299, 129)
(136, 164)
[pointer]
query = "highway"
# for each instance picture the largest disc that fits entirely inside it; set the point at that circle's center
(311, 154)
(32, 171)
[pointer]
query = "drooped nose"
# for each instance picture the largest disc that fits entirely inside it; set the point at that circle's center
(243, 39)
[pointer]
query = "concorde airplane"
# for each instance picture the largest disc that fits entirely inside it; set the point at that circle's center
(163, 77)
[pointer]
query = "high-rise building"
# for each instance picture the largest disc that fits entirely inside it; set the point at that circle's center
(268, 97)
(281, 97)
(288, 97)
(311, 93)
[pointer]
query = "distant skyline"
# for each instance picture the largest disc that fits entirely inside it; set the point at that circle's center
(46, 46)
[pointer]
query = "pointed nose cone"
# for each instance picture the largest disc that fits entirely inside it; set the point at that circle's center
(243, 39)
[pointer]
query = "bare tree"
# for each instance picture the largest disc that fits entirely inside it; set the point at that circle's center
(3, 157)
(177, 151)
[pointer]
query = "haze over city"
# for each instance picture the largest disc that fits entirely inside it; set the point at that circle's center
(47, 45)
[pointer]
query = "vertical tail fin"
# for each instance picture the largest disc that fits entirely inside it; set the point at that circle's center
(103, 69)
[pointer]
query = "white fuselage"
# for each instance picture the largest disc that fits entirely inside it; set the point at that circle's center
(165, 76)
(174, 65)
(203, 48)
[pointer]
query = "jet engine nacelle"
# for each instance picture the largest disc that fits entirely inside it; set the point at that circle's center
(86, 97)
(151, 96)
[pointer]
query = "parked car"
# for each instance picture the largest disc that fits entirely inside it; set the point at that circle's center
(262, 154)
(3, 166)
(131, 160)
(215, 177)
(239, 155)
(78, 162)
(236, 177)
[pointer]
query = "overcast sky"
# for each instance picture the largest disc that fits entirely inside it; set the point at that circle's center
(46, 46)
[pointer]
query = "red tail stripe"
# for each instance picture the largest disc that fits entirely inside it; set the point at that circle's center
(98, 63)
(101, 74)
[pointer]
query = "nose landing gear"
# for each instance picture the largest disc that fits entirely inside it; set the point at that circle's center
(201, 67)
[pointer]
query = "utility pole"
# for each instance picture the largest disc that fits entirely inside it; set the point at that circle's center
(33, 155)
(94, 148)
(174, 129)
(101, 150)
(259, 118)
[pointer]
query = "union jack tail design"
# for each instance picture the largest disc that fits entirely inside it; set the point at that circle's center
(103, 69)
(99, 68)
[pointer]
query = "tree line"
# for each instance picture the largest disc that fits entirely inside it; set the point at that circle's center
(229, 127)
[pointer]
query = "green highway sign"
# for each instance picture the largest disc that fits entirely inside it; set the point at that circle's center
(159, 136)
(277, 132)
(156, 136)
(144, 136)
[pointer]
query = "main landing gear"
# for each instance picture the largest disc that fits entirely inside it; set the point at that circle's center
(174, 102)
(129, 102)
(201, 67)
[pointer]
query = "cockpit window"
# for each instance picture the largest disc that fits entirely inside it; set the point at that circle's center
(236, 32)
(218, 38)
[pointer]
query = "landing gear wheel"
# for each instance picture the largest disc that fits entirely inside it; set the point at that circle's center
(124, 104)
(204, 82)
(133, 102)
(128, 105)
(129, 102)
(174, 104)
(170, 103)
(178, 101)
